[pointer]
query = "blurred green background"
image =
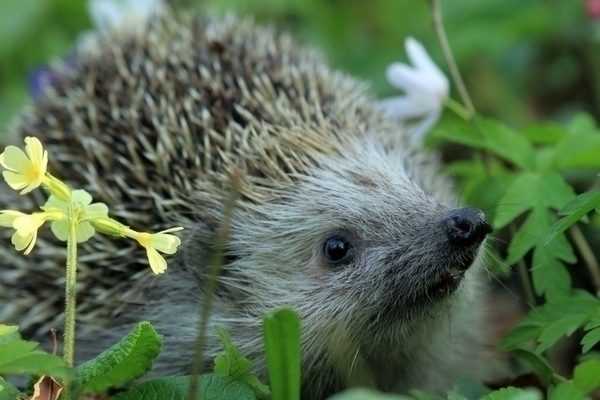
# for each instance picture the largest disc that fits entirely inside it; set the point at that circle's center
(522, 59)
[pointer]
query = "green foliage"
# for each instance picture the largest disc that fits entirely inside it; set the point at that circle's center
(7, 391)
(18, 356)
(365, 394)
(125, 361)
(575, 211)
(587, 376)
(282, 348)
(231, 364)
(546, 324)
(212, 387)
(511, 393)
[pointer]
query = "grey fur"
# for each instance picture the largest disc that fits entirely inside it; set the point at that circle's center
(152, 124)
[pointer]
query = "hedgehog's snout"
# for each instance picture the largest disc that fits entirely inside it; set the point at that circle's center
(466, 228)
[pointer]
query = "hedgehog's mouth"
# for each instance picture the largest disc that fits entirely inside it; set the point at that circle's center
(445, 284)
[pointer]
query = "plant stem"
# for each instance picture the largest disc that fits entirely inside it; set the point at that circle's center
(588, 255)
(524, 276)
(70, 295)
(216, 264)
(526, 281)
(438, 24)
(458, 109)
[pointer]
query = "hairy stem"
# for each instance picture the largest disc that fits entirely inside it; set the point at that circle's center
(587, 254)
(216, 264)
(438, 24)
(70, 295)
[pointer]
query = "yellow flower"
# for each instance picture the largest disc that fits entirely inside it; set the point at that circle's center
(26, 226)
(155, 242)
(25, 171)
(84, 211)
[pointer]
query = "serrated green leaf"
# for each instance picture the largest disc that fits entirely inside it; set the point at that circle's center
(529, 234)
(505, 142)
(590, 339)
(511, 393)
(549, 275)
(282, 346)
(564, 326)
(587, 376)
(231, 363)
(490, 135)
(575, 211)
(566, 391)
(212, 387)
(531, 190)
(125, 361)
(536, 363)
(18, 356)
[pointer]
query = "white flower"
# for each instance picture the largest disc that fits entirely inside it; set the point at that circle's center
(425, 89)
(117, 15)
(113, 14)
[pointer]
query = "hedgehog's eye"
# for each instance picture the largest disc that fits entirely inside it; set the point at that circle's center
(337, 249)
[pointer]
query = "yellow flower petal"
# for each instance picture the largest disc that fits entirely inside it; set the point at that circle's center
(31, 244)
(24, 242)
(85, 231)
(165, 243)
(7, 217)
(82, 197)
(171, 230)
(157, 262)
(27, 224)
(15, 180)
(25, 170)
(34, 150)
(14, 159)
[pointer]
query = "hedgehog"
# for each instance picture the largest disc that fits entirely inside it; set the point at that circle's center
(340, 215)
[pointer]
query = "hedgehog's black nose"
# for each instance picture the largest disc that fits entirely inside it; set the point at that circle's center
(466, 226)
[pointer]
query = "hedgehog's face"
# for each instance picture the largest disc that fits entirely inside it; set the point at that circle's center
(375, 236)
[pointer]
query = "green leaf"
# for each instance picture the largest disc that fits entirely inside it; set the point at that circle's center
(581, 123)
(531, 190)
(566, 391)
(490, 135)
(549, 275)
(590, 339)
(564, 326)
(537, 364)
(7, 391)
(365, 394)
(125, 361)
(587, 376)
(18, 356)
(519, 336)
(574, 211)
(545, 132)
(282, 346)
(212, 387)
(511, 393)
(529, 234)
(581, 147)
(505, 142)
(553, 320)
(231, 363)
